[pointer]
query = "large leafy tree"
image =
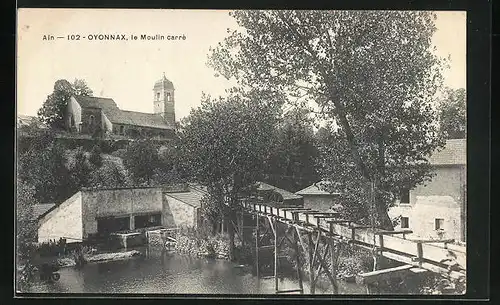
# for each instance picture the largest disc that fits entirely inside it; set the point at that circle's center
(223, 145)
(292, 165)
(141, 159)
(373, 73)
(43, 167)
(53, 109)
(452, 114)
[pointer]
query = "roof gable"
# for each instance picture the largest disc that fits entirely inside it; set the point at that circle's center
(192, 197)
(314, 189)
(262, 186)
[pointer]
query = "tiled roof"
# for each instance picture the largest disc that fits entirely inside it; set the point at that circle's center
(164, 83)
(118, 116)
(40, 209)
(454, 153)
(261, 186)
(314, 190)
(192, 198)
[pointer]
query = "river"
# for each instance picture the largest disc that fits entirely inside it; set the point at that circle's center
(163, 272)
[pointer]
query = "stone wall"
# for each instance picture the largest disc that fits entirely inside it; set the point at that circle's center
(119, 203)
(73, 109)
(65, 221)
(441, 198)
(87, 127)
(178, 213)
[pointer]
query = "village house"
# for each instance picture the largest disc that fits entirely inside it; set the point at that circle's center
(97, 212)
(317, 199)
(437, 209)
(91, 115)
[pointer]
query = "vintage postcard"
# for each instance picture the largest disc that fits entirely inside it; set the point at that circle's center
(244, 152)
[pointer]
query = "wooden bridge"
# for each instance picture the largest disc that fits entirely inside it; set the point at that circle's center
(326, 233)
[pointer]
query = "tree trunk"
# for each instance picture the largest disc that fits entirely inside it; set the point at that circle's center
(231, 229)
(384, 221)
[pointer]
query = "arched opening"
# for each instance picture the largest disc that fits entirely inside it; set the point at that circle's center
(122, 130)
(168, 97)
(91, 120)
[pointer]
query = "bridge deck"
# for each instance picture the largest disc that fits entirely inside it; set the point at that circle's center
(432, 256)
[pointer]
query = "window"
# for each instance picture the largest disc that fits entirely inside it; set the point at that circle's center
(405, 196)
(168, 97)
(91, 120)
(158, 96)
(121, 130)
(439, 224)
(405, 222)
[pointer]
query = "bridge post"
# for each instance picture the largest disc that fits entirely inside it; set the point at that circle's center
(257, 244)
(311, 269)
(275, 224)
(297, 259)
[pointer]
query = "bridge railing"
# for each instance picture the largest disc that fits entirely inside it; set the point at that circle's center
(431, 255)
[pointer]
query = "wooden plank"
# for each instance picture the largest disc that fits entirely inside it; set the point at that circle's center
(385, 232)
(257, 246)
(304, 211)
(430, 241)
(320, 213)
(266, 247)
(291, 208)
(375, 276)
(276, 245)
(338, 221)
(288, 291)
(418, 270)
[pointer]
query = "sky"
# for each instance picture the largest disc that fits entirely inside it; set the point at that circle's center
(127, 70)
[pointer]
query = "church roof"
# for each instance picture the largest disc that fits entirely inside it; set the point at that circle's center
(163, 83)
(118, 116)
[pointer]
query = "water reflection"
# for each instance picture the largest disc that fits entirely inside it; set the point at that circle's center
(167, 273)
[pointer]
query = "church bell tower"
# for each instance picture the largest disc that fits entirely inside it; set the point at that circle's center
(164, 101)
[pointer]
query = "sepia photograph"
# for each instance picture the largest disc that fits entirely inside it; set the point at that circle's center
(241, 152)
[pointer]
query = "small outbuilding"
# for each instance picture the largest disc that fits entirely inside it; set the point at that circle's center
(318, 199)
(98, 212)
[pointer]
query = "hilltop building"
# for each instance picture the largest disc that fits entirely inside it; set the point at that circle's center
(91, 115)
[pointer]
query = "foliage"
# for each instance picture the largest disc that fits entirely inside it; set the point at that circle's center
(43, 167)
(95, 157)
(292, 164)
(25, 226)
(25, 232)
(54, 107)
(81, 169)
(144, 163)
(109, 175)
(223, 144)
(371, 73)
(452, 114)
